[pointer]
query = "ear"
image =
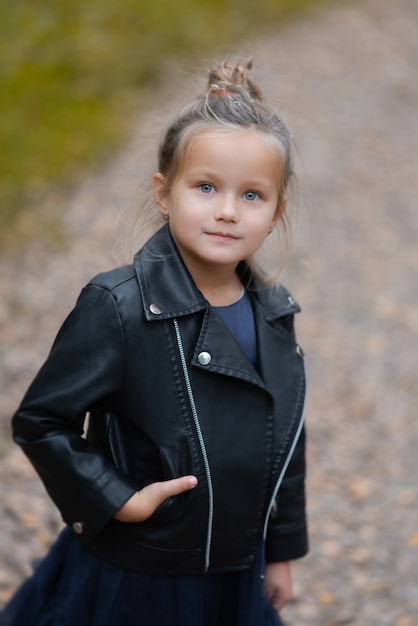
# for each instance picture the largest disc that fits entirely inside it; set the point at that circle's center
(161, 193)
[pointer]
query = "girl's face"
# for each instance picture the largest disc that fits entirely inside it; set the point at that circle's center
(224, 200)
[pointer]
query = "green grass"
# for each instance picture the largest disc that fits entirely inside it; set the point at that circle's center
(72, 74)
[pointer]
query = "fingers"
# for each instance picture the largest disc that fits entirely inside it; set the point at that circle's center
(278, 597)
(144, 502)
(156, 493)
(279, 601)
(153, 495)
(174, 487)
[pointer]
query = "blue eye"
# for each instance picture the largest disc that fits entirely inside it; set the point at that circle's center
(206, 188)
(251, 196)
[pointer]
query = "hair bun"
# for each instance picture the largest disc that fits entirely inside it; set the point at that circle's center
(233, 77)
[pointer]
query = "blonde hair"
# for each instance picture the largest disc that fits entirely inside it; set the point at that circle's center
(233, 101)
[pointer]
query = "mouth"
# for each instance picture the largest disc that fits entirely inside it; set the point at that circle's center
(220, 236)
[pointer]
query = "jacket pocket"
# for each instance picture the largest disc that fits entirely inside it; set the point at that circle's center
(172, 507)
(168, 460)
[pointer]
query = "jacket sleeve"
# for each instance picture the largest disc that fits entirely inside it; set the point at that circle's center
(84, 368)
(287, 537)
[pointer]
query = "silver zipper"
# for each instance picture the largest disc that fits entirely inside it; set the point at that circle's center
(284, 468)
(201, 442)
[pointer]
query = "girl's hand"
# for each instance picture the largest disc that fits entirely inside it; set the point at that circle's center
(144, 502)
(278, 581)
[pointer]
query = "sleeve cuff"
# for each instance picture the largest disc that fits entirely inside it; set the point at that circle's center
(286, 547)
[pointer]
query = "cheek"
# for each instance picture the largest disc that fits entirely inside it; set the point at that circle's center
(261, 223)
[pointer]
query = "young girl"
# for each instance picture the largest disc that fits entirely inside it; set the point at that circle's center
(185, 501)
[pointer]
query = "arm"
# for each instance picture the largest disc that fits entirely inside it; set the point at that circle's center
(84, 367)
(287, 528)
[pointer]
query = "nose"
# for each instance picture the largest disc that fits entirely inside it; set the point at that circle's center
(227, 209)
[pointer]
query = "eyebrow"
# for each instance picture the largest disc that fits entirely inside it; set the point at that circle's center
(206, 173)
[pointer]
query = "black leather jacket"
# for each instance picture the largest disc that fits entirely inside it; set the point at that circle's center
(170, 393)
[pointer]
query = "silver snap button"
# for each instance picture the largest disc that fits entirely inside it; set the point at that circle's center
(300, 352)
(78, 528)
(204, 358)
(155, 309)
(291, 301)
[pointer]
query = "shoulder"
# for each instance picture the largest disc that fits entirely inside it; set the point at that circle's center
(115, 288)
(276, 301)
(114, 279)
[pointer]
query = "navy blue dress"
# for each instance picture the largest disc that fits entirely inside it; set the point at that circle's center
(73, 586)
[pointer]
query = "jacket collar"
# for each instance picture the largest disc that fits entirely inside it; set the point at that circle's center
(168, 289)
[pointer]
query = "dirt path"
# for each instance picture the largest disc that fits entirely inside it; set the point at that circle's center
(348, 78)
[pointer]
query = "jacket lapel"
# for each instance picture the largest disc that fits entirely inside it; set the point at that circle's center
(168, 291)
(283, 373)
(217, 351)
(166, 286)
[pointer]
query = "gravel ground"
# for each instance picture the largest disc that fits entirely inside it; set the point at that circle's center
(348, 79)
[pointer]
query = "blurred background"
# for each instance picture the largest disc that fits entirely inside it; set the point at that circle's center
(73, 74)
(86, 89)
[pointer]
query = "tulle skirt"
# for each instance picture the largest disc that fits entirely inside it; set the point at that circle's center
(73, 586)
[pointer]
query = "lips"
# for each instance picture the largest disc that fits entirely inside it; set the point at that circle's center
(223, 236)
